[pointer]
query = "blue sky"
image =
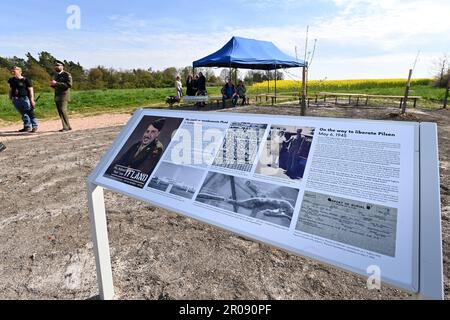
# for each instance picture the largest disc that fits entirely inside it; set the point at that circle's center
(355, 38)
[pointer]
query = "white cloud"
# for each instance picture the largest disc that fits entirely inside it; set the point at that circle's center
(385, 23)
(267, 4)
(364, 39)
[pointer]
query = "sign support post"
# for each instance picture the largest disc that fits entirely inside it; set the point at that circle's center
(99, 231)
(430, 248)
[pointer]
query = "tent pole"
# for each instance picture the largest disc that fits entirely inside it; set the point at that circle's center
(303, 100)
(276, 76)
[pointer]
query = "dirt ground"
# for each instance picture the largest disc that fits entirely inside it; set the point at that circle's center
(46, 250)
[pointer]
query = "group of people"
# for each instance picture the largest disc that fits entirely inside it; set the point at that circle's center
(230, 91)
(294, 153)
(196, 86)
(21, 94)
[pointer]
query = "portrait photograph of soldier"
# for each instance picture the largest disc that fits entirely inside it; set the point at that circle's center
(143, 150)
(286, 152)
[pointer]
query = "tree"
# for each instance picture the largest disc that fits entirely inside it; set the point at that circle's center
(442, 67)
(40, 70)
(96, 78)
(31, 60)
(185, 72)
(169, 76)
(212, 80)
(143, 78)
(4, 76)
(78, 75)
(39, 77)
(255, 76)
(47, 61)
(224, 75)
(5, 63)
(14, 61)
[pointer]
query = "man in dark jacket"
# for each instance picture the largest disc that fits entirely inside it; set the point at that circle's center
(298, 155)
(62, 82)
(145, 154)
(201, 85)
(201, 88)
(229, 92)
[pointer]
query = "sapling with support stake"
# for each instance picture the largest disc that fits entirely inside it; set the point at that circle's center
(408, 85)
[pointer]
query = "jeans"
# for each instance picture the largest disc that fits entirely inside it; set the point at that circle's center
(23, 106)
(233, 99)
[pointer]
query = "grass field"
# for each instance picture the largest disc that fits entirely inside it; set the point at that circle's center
(125, 100)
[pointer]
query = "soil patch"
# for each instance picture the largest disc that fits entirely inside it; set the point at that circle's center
(46, 250)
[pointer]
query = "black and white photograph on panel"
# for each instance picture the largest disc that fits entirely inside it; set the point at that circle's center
(197, 142)
(286, 152)
(176, 179)
(256, 199)
(359, 224)
(142, 151)
(240, 146)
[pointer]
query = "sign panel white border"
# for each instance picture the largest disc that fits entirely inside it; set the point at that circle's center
(411, 234)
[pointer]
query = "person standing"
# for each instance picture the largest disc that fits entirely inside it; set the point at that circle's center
(241, 91)
(62, 82)
(178, 88)
(201, 88)
(297, 159)
(201, 85)
(21, 94)
(195, 84)
(190, 86)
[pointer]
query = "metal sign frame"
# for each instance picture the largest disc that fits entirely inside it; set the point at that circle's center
(429, 244)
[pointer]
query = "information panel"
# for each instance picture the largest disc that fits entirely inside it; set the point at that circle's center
(341, 191)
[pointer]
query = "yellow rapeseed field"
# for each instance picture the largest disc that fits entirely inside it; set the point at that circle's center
(325, 85)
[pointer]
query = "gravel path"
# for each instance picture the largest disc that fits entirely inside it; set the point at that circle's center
(46, 249)
(8, 133)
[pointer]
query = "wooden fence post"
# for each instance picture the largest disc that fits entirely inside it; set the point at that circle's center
(408, 85)
(303, 99)
(446, 91)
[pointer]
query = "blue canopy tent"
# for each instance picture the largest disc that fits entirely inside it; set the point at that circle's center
(249, 54)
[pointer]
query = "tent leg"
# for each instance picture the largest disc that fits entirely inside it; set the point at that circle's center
(276, 76)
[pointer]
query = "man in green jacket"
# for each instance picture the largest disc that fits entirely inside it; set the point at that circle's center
(62, 82)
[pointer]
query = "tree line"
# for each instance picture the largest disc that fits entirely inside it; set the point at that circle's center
(40, 70)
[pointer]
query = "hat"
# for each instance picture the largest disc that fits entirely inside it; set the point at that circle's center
(58, 62)
(159, 123)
